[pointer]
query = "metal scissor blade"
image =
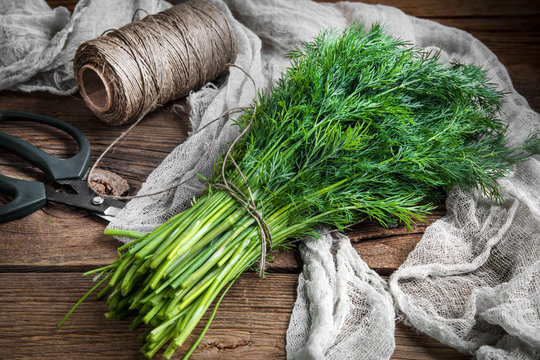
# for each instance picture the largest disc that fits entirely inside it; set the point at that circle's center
(83, 190)
(109, 214)
(105, 208)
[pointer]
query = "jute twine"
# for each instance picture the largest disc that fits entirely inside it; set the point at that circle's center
(128, 72)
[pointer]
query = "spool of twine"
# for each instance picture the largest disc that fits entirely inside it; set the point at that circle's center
(126, 73)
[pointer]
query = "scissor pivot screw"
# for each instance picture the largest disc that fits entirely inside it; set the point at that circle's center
(98, 200)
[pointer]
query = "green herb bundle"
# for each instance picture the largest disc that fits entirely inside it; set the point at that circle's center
(360, 126)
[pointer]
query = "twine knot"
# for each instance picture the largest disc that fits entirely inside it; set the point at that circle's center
(246, 200)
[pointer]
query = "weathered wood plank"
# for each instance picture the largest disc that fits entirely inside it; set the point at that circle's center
(248, 324)
(458, 8)
(428, 8)
(52, 237)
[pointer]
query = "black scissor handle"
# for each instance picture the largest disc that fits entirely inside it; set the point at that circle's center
(57, 169)
(28, 196)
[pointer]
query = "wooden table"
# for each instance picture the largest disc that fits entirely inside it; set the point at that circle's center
(42, 256)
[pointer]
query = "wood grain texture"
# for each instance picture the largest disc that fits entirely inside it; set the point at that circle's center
(139, 153)
(42, 255)
(250, 324)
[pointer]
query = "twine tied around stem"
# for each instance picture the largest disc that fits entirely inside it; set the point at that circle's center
(247, 200)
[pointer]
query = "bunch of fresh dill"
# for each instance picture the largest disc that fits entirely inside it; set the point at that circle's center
(360, 126)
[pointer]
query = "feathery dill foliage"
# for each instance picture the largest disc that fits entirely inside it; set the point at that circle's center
(359, 126)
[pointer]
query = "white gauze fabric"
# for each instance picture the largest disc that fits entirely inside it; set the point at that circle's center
(473, 280)
(343, 309)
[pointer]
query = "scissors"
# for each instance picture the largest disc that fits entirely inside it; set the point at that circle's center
(29, 196)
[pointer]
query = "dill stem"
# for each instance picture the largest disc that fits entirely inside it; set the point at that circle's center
(191, 228)
(126, 233)
(168, 354)
(204, 226)
(159, 231)
(81, 300)
(181, 246)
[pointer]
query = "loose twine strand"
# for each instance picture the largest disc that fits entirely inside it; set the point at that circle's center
(246, 200)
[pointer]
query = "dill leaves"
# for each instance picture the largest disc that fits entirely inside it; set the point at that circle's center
(396, 125)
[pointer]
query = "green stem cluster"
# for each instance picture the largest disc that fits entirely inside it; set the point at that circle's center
(171, 276)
